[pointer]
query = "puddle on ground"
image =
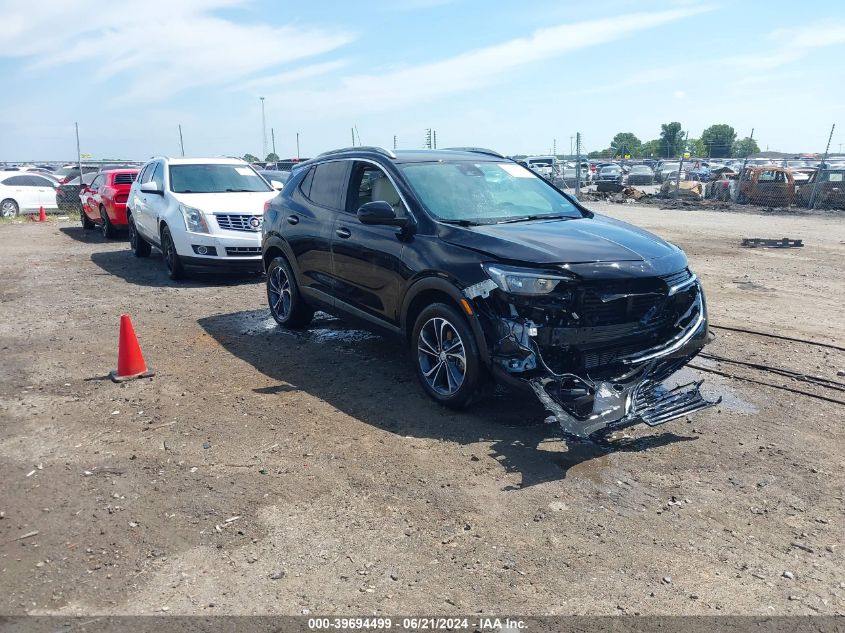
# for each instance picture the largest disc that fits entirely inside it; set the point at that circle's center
(324, 329)
(712, 388)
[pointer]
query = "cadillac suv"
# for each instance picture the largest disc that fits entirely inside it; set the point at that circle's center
(489, 272)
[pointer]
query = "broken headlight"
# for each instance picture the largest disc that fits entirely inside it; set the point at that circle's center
(524, 281)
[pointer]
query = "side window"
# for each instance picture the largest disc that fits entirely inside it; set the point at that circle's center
(97, 182)
(17, 181)
(305, 185)
(158, 175)
(327, 184)
(41, 182)
(370, 184)
(147, 173)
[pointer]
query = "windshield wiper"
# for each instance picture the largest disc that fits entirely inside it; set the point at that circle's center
(528, 218)
(461, 222)
(241, 191)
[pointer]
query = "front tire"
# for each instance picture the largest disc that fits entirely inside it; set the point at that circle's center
(86, 222)
(446, 356)
(286, 303)
(140, 247)
(9, 208)
(175, 270)
(109, 232)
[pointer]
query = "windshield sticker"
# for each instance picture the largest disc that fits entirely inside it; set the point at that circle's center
(517, 171)
(244, 171)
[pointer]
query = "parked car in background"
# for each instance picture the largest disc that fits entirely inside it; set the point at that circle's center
(830, 192)
(69, 172)
(610, 174)
(103, 202)
(485, 270)
(200, 212)
(640, 175)
(766, 185)
(22, 192)
(543, 165)
(67, 193)
(665, 168)
(278, 176)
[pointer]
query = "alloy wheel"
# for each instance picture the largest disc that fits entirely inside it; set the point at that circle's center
(280, 292)
(441, 355)
(8, 209)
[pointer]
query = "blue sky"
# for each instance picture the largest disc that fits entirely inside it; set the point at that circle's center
(503, 74)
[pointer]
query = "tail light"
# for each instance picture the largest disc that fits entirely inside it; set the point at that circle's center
(121, 197)
(267, 206)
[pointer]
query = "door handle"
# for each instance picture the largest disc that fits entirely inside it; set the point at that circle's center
(343, 233)
(293, 219)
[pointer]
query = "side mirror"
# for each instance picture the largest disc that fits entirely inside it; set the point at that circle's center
(380, 213)
(151, 187)
(278, 186)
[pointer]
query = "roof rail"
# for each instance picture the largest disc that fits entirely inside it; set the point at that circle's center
(476, 150)
(360, 148)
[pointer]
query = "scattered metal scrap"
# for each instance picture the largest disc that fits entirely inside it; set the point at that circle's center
(784, 242)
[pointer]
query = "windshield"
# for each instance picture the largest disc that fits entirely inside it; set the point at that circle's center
(485, 193)
(215, 178)
(640, 169)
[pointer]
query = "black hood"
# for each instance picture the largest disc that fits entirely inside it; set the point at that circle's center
(582, 240)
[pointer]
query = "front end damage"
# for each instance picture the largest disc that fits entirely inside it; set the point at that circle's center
(596, 352)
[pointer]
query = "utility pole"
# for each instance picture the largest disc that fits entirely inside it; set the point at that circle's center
(822, 165)
(352, 129)
(681, 164)
(434, 138)
(554, 147)
(263, 130)
(181, 142)
(297, 146)
(394, 141)
(742, 169)
(571, 138)
(273, 137)
(78, 153)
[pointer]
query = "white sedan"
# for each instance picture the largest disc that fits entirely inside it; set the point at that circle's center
(22, 191)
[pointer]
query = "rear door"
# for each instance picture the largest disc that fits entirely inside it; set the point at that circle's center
(46, 191)
(309, 224)
(368, 269)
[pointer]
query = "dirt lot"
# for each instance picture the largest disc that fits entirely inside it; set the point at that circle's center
(265, 472)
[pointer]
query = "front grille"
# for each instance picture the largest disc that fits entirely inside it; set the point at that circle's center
(677, 278)
(238, 222)
(594, 311)
(242, 251)
(124, 179)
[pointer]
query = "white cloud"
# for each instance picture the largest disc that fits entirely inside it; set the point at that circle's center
(158, 47)
(290, 76)
(396, 88)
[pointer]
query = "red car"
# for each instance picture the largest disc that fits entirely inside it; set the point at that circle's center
(104, 200)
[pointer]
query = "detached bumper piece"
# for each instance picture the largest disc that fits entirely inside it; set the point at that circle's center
(659, 405)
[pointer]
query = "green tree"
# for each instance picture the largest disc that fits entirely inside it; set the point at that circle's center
(272, 157)
(719, 139)
(671, 139)
(625, 143)
(250, 158)
(651, 149)
(745, 147)
(696, 147)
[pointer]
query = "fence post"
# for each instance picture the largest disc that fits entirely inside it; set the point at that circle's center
(812, 202)
(681, 164)
(577, 165)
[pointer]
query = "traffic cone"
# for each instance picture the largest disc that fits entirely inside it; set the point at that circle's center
(130, 360)
(42, 217)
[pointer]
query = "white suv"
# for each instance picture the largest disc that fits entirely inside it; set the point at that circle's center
(200, 212)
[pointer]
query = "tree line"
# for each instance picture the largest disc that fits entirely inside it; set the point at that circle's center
(717, 141)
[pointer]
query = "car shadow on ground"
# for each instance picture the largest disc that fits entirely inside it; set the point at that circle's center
(372, 379)
(152, 271)
(91, 236)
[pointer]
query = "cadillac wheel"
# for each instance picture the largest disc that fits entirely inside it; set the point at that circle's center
(286, 304)
(448, 365)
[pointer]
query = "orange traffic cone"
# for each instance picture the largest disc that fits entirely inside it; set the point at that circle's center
(130, 360)
(42, 217)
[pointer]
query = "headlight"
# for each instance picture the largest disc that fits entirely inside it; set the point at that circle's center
(194, 220)
(523, 281)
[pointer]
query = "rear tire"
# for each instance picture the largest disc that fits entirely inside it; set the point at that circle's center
(86, 222)
(9, 208)
(287, 306)
(446, 356)
(140, 247)
(109, 232)
(175, 270)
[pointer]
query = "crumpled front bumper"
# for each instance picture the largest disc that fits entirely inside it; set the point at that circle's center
(637, 394)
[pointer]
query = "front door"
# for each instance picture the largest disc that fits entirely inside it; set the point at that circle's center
(368, 269)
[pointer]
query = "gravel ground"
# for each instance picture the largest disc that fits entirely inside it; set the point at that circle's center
(266, 472)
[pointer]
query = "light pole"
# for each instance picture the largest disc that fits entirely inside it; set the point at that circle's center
(263, 131)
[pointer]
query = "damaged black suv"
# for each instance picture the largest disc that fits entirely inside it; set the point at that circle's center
(488, 270)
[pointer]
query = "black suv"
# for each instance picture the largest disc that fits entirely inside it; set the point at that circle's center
(488, 270)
